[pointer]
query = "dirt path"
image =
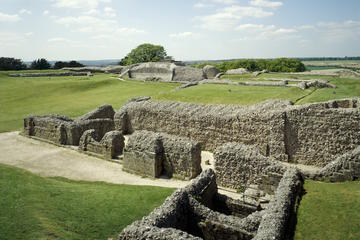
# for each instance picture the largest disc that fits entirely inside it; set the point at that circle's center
(50, 160)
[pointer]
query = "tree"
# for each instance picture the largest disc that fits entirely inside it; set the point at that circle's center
(11, 64)
(60, 64)
(40, 64)
(145, 53)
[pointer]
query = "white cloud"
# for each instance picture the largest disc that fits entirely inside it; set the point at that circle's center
(183, 35)
(260, 31)
(11, 39)
(59, 40)
(109, 12)
(46, 12)
(265, 3)
(25, 11)
(29, 34)
(9, 18)
(79, 4)
(227, 18)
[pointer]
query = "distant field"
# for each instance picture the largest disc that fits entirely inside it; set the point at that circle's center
(74, 96)
(319, 65)
(34, 207)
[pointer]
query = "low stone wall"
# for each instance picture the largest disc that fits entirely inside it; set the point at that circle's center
(50, 74)
(144, 154)
(279, 219)
(186, 214)
(154, 154)
(237, 166)
(65, 131)
(111, 145)
(344, 168)
(312, 134)
(104, 111)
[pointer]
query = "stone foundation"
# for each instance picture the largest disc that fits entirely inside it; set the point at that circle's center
(154, 154)
(65, 131)
(110, 146)
(312, 134)
(195, 213)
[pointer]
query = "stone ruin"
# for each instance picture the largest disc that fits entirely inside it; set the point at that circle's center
(65, 131)
(158, 154)
(167, 72)
(311, 134)
(109, 147)
(51, 74)
(198, 211)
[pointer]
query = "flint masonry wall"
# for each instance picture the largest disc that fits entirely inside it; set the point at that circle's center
(111, 145)
(63, 130)
(211, 125)
(154, 154)
(187, 215)
(310, 134)
(238, 165)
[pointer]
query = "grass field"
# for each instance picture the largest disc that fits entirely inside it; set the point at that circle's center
(74, 96)
(34, 207)
(329, 211)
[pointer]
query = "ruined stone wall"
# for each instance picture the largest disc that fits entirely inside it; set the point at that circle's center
(344, 168)
(278, 221)
(63, 130)
(104, 111)
(186, 215)
(238, 165)
(109, 147)
(154, 154)
(315, 136)
(211, 125)
(312, 134)
(50, 74)
(152, 71)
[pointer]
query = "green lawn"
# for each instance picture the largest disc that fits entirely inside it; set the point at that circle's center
(34, 207)
(74, 96)
(329, 211)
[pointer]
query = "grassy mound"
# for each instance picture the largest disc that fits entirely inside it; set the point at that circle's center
(34, 207)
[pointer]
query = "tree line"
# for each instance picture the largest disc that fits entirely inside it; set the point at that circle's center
(272, 65)
(7, 64)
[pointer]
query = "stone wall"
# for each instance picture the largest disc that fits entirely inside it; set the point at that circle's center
(144, 154)
(104, 111)
(65, 131)
(111, 145)
(238, 165)
(50, 74)
(344, 168)
(189, 214)
(312, 134)
(154, 154)
(279, 219)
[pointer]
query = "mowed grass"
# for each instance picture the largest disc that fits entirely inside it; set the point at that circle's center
(329, 211)
(74, 96)
(34, 207)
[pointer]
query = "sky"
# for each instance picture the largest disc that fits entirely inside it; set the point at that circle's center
(188, 29)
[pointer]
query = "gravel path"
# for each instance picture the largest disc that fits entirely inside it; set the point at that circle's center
(50, 160)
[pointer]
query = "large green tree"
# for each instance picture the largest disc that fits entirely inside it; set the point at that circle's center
(145, 53)
(11, 64)
(40, 64)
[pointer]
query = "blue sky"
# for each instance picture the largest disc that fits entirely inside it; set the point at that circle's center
(188, 29)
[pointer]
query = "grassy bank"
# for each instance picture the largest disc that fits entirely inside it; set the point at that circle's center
(329, 211)
(34, 207)
(74, 96)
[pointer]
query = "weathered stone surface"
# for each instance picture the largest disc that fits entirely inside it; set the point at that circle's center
(153, 71)
(279, 217)
(345, 168)
(237, 71)
(188, 214)
(62, 130)
(312, 134)
(111, 145)
(104, 111)
(116, 69)
(237, 166)
(188, 74)
(210, 71)
(153, 154)
(84, 69)
(144, 154)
